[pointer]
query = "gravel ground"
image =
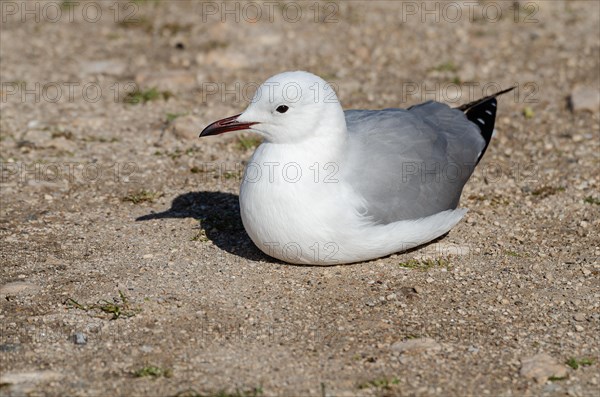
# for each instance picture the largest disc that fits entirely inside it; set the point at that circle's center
(125, 267)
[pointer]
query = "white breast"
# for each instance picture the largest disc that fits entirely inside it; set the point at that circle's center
(296, 209)
(293, 206)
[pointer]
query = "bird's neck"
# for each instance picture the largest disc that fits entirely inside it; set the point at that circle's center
(325, 142)
(326, 145)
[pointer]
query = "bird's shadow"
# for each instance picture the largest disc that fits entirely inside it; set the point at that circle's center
(218, 214)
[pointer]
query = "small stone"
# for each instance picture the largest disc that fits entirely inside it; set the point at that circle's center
(391, 297)
(33, 124)
(586, 272)
(414, 346)
(12, 378)
(187, 127)
(79, 338)
(363, 53)
(113, 67)
(575, 391)
(541, 367)
(579, 328)
(89, 123)
(9, 347)
(430, 280)
(18, 287)
(579, 317)
(38, 137)
(551, 388)
(228, 59)
(63, 144)
(585, 98)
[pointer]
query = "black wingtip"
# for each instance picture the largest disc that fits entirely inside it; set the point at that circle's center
(469, 105)
(483, 114)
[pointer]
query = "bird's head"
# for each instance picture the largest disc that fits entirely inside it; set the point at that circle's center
(287, 108)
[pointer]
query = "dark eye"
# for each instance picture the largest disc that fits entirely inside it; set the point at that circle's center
(282, 108)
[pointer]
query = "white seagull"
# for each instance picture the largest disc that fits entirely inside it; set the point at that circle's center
(329, 186)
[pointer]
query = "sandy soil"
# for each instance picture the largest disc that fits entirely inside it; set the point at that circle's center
(125, 269)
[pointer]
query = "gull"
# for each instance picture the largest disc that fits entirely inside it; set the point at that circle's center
(328, 186)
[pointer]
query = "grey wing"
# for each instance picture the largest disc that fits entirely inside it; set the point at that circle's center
(408, 164)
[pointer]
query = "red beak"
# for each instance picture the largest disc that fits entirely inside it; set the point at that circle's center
(226, 125)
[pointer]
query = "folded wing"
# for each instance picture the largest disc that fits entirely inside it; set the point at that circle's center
(409, 164)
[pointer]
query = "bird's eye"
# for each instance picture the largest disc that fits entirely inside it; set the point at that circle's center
(282, 108)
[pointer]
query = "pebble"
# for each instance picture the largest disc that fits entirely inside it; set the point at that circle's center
(9, 347)
(418, 345)
(541, 367)
(79, 338)
(63, 144)
(38, 137)
(113, 67)
(551, 388)
(18, 287)
(187, 127)
(33, 124)
(229, 60)
(579, 317)
(13, 378)
(585, 98)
